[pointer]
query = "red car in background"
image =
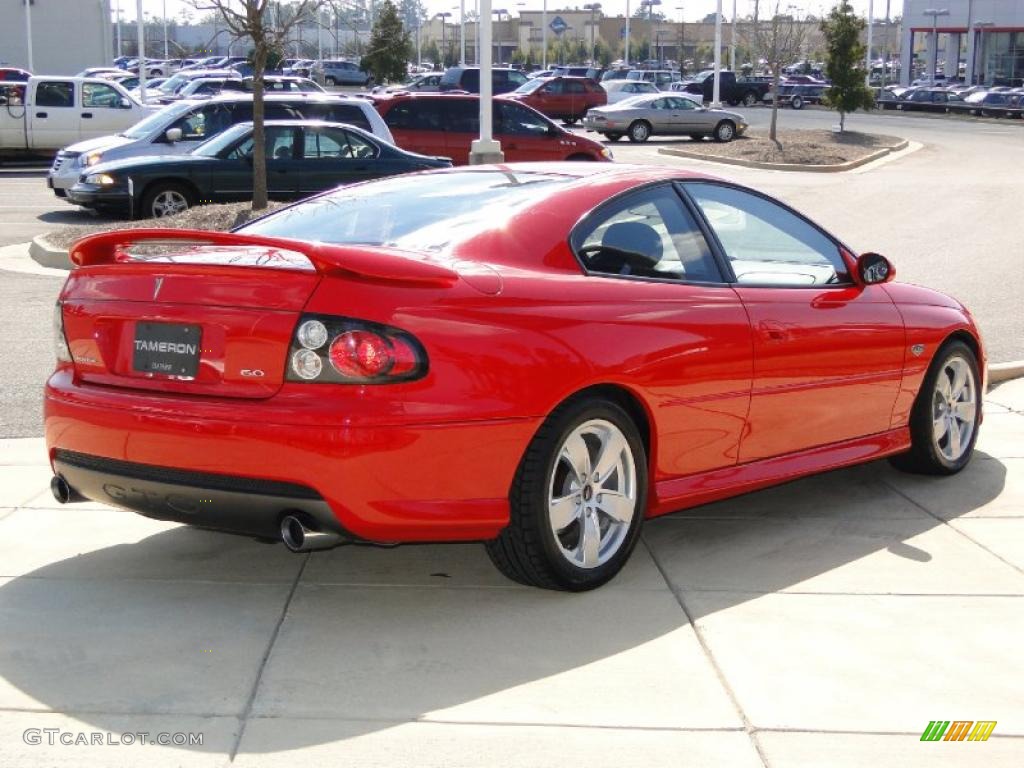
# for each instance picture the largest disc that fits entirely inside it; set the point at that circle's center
(446, 125)
(564, 98)
(537, 356)
(13, 74)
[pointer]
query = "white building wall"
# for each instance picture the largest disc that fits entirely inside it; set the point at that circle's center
(67, 35)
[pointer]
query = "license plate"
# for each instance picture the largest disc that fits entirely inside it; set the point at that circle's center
(170, 349)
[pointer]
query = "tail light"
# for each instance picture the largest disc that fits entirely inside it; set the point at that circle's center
(341, 350)
(60, 341)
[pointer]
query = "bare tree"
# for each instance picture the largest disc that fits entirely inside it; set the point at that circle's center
(253, 20)
(778, 40)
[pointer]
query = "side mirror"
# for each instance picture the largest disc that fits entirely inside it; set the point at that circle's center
(873, 269)
(125, 103)
(554, 131)
(173, 135)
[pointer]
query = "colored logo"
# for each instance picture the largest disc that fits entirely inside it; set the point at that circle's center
(558, 25)
(958, 730)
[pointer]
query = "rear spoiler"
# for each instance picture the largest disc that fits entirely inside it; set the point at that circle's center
(365, 262)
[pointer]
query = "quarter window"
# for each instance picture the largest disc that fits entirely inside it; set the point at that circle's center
(765, 243)
(649, 233)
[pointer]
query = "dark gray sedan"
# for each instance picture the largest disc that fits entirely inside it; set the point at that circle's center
(641, 117)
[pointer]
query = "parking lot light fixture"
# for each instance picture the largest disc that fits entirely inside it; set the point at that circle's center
(935, 13)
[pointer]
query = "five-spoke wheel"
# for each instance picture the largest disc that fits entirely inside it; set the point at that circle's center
(578, 499)
(945, 417)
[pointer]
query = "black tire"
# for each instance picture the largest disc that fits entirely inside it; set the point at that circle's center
(639, 131)
(613, 136)
(926, 455)
(570, 120)
(797, 102)
(749, 99)
(528, 551)
(697, 136)
(167, 189)
(725, 131)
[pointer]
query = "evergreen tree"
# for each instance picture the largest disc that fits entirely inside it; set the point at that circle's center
(390, 47)
(845, 59)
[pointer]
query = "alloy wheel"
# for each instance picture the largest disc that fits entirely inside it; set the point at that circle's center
(592, 494)
(954, 408)
(168, 203)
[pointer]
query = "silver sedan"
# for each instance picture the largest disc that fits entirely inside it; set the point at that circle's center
(643, 116)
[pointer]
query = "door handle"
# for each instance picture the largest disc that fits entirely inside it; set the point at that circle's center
(773, 332)
(87, 115)
(41, 114)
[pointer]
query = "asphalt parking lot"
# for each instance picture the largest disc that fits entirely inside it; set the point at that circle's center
(825, 622)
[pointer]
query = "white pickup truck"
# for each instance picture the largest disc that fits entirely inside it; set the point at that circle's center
(47, 113)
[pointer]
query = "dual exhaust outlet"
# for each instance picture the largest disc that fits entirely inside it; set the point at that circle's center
(298, 532)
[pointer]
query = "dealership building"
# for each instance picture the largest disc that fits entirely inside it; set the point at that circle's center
(66, 35)
(981, 41)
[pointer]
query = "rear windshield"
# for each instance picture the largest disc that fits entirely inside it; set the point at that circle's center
(529, 86)
(420, 213)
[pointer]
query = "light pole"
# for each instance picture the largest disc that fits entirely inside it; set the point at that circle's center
(166, 55)
(117, 13)
(716, 97)
(625, 58)
(500, 12)
(935, 13)
(682, 40)
(732, 39)
(462, 32)
(28, 36)
(650, 8)
(443, 15)
(544, 33)
(486, 149)
(979, 43)
(593, 8)
(871, 26)
(141, 26)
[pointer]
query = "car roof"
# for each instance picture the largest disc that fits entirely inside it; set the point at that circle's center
(327, 98)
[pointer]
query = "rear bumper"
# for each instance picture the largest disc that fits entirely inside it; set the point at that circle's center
(168, 457)
(223, 502)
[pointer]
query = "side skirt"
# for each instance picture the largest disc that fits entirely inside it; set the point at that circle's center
(683, 492)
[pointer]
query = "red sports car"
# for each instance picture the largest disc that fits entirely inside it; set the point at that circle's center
(535, 356)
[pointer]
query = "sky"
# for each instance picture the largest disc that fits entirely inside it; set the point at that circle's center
(693, 10)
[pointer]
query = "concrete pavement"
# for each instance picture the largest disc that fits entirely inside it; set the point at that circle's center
(825, 622)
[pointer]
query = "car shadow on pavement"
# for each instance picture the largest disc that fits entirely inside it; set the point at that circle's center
(186, 623)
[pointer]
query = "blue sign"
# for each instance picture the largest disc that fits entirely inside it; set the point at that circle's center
(558, 25)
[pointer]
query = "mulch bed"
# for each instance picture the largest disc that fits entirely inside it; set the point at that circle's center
(213, 218)
(800, 147)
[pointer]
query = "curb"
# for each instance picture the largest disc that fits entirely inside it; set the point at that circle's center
(45, 254)
(1000, 372)
(835, 168)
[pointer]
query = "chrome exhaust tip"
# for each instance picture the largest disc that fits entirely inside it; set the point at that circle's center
(63, 492)
(299, 535)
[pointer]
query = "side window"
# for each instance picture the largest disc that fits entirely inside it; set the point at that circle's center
(517, 78)
(463, 116)
(512, 119)
(351, 114)
(471, 81)
(765, 243)
(399, 116)
(336, 144)
(280, 140)
(649, 233)
(574, 86)
(54, 94)
(99, 95)
(554, 87)
(679, 103)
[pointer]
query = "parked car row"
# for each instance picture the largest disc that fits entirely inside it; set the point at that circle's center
(1000, 101)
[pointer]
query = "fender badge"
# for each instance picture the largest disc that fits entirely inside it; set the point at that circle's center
(917, 349)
